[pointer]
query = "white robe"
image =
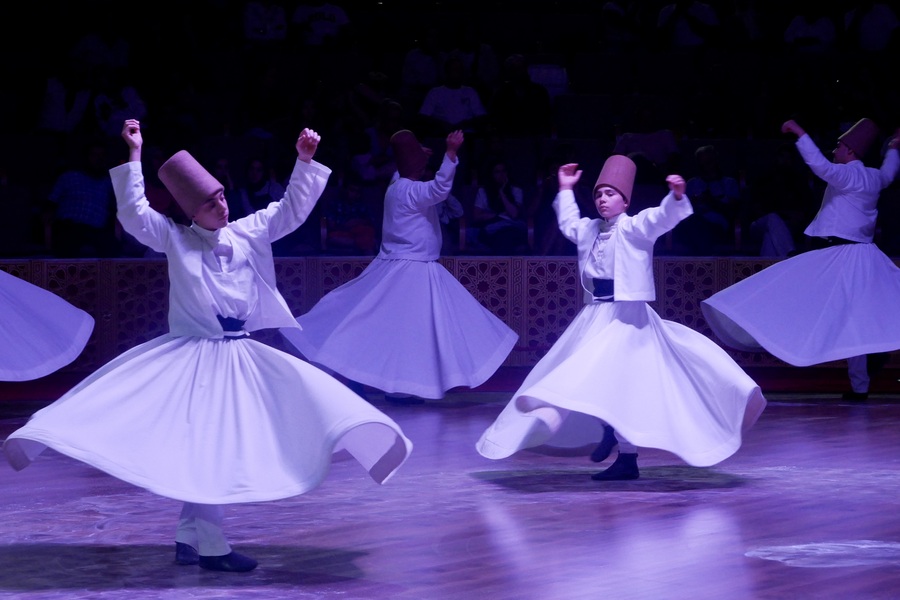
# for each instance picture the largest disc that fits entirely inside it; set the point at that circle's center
(658, 383)
(828, 304)
(201, 417)
(406, 325)
(39, 331)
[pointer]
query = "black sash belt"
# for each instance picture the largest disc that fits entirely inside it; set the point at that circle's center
(230, 325)
(828, 241)
(603, 290)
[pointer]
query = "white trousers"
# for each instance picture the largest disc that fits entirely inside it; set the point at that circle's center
(200, 526)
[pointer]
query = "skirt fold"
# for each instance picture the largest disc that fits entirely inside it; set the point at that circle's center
(658, 383)
(816, 307)
(404, 326)
(213, 422)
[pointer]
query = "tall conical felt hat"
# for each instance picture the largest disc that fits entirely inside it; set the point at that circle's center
(618, 172)
(860, 137)
(189, 183)
(411, 158)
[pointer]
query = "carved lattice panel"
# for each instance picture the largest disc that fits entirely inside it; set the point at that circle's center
(21, 270)
(552, 297)
(682, 285)
(140, 302)
(293, 283)
(335, 272)
(537, 297)
(80, 283)
(741, 268)
(488, 280)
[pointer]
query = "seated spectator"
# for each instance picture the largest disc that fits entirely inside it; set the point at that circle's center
(350, 224)
(83, 207)
(260, 188)
(498, 213)
(716, 198)
(452, 105)
(782, 202)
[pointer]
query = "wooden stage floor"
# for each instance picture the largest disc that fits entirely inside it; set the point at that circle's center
(809, 507)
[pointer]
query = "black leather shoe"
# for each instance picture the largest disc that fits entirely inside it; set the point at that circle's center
(185, 554)
(623, 469)
(232, 562)
(855, 396)
(606, 445)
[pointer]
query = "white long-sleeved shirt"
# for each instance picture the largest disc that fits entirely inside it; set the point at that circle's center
(411, 228)
(633, 238)
(850, 203)
(194, 301)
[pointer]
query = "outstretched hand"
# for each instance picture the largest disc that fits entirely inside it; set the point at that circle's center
(677, 185)
(131, 133)
(792, 127)
(895, 140)
(568, 175)
(307, 144)
(454, 141)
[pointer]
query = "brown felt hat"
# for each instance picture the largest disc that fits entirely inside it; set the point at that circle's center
(189, 183)
(860, 137)
(409, 154)
(618, 172)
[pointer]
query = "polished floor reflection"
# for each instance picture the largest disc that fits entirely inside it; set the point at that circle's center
(808, 508)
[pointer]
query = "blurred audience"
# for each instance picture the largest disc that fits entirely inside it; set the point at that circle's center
(252, 72)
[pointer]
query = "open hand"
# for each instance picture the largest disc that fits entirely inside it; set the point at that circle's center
(568, 175)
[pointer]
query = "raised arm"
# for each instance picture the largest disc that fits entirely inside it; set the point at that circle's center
(792, 127)
(306, 185)
(307, 144)
(131, 133)
(132, 208)
(568, 216)
(454, 141)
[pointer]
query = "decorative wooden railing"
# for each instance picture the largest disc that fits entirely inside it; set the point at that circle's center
(536, 296)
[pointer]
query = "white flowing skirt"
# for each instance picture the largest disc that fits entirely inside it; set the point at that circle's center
(404, 326)
(39, 331)
(213, 422)
(816, 307)
(658, 383)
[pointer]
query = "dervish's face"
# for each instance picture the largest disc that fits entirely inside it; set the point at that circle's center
(609, 202)
(843, 154)
(212, 214)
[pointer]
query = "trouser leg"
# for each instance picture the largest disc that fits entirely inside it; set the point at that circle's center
(857, 369)
(200, 526)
